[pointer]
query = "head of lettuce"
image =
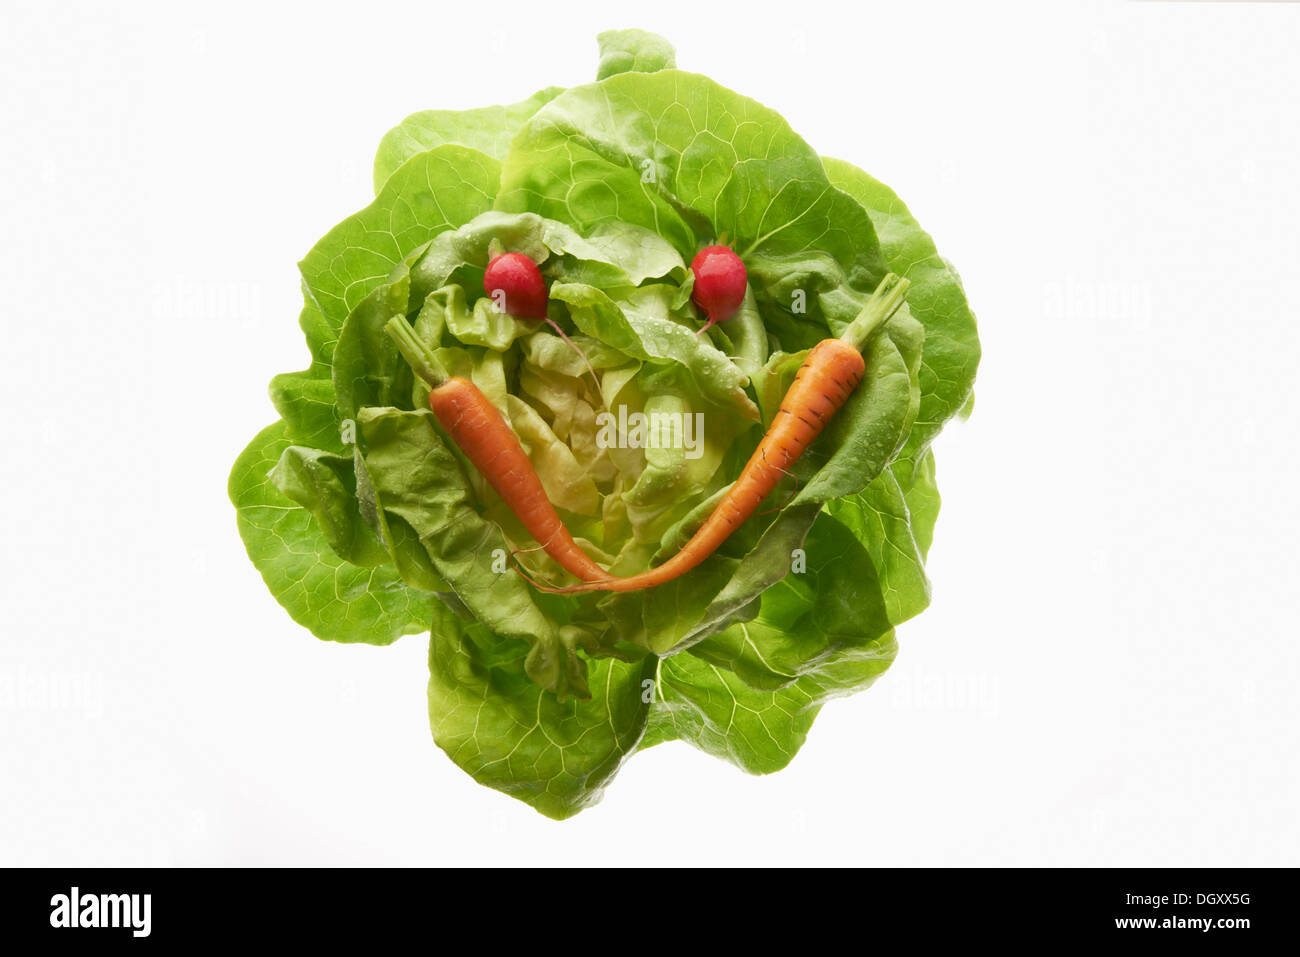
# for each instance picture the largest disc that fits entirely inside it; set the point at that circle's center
(367, 524)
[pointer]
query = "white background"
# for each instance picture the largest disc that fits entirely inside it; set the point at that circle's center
(1107, 673)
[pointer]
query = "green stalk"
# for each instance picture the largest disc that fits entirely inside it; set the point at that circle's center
(884, 302)
(417, 355)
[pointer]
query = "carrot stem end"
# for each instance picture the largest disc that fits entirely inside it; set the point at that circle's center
(884, 302)
(417, 355)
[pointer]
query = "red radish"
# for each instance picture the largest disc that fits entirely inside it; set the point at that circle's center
(517, 279)
(719, 283)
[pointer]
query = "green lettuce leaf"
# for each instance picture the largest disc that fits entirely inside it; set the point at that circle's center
(418, 479)
(367, 367)
(921, 491)
(951, 353)
(614, 255)
(335, 600)
(499, 726)
(641, 326)
(680, 155)
(305, 401)
(633, 51)
(750, 693)
(359, 253)
(487, 129)
(324, 484)
(874, 423)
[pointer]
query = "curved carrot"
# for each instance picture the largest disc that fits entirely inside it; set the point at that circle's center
(478, 429)
(824, 382)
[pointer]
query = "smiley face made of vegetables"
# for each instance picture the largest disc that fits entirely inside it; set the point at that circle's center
(715, 594)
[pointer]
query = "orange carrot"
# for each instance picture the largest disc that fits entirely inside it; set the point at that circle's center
(478, 429)
(824, 382)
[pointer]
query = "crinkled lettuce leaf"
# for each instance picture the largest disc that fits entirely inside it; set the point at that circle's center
(640, 325)
(680, 155)
(430, 193)
(418, 479)
(615, 255)
(331, 597)
(487, 129)
(494, 721)
(951, 352)
(633, 51)
(749, 693)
